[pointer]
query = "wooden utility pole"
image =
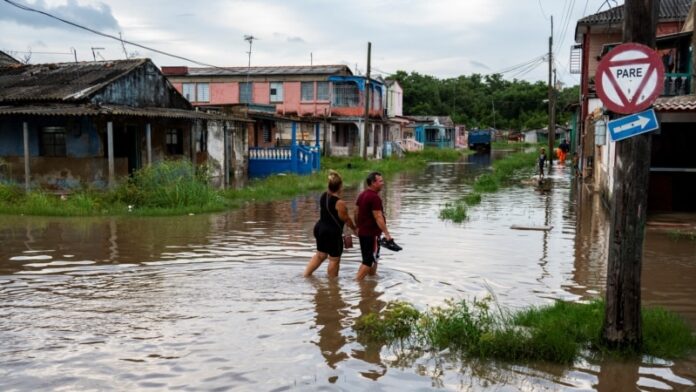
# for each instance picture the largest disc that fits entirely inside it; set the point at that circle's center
(622, 319)
(363, 136)
(552, 106)
(693, 45)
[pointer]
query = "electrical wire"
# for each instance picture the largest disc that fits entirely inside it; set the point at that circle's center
(521, 65)
(27, 8)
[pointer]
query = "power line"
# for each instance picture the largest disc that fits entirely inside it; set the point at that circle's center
(521, 65)
(27, 8)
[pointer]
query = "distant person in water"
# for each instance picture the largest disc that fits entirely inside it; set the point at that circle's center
(328, 231)
(541, 161)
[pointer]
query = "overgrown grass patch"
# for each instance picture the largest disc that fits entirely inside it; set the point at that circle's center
(179, 187)
(556, 333)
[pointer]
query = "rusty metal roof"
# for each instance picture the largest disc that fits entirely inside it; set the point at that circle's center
(261, 71)
(679, 103)
(113, 110)
(670, 10)
(66, 82)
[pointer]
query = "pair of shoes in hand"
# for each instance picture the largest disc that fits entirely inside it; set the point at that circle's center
(390, 244)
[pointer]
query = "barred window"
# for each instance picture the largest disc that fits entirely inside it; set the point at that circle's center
(346, 94)
(175, 142)
(245, 92)
(307, 91)
(53, 141)
(322, 91)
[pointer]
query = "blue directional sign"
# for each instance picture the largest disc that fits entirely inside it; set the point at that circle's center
(632, 125)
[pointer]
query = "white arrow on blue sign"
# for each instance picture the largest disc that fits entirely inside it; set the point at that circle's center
(635, 124)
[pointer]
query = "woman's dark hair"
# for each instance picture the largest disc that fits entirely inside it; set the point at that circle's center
(335, 181)
(372, 177)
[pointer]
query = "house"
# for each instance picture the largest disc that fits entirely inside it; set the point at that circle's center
(65, 125)
(7, 60)
(434, 131)
(326, 103)
(541, 135)
(673, 166)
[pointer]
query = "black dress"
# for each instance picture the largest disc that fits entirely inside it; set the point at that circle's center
(329, 229)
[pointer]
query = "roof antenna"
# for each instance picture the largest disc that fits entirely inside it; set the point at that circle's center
(250, 39)
(95, 52)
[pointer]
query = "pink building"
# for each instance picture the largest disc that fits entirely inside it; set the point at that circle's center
(327, 102)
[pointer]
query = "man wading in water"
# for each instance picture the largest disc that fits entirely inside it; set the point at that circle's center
(369, 217)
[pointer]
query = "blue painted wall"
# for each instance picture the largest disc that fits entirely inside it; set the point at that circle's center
(81, 139)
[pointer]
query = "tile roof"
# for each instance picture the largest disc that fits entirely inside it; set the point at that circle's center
(680, 103)
(262, 71)
(66, 82)
(81, 109)
(670, 10)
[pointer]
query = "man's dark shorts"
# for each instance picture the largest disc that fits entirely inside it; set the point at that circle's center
(369, 248)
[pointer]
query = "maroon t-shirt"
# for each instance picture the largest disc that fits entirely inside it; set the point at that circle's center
(367, 202)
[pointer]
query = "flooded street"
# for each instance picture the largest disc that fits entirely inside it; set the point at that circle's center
(218, 301)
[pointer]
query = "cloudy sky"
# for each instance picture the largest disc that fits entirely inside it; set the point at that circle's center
(443, 38)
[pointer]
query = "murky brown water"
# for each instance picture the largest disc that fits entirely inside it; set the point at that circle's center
(217, 302)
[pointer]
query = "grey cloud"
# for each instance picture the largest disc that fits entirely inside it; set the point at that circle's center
(296, 40)
(478, 64)
(98, 16)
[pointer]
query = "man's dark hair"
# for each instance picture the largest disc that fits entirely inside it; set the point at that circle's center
(372, 177)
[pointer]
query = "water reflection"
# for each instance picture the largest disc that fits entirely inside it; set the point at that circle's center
(217, 301)
(331, 314)
(370, 351)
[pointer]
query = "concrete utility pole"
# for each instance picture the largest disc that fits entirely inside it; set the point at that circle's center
(363, 135)
(622, 323)
(552, 103)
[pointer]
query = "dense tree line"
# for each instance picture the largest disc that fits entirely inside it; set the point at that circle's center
(484, 101)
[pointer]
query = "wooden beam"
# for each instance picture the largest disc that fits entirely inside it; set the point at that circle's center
(110, 147)
(27, 172)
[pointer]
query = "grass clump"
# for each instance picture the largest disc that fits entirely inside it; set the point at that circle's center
(677, 235)
(396, 322)
(472, 199)
(456, 212)
(556, 333)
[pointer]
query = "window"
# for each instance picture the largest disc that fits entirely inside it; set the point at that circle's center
(188, 90)
(196, 92)
(307, 91)
(245, 92)
(175, 143)
(202, 92)
(322, 91)
(266, 133)
(346, 95)
(276, 91)
(53, 141)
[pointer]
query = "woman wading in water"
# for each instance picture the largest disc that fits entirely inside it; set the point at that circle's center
(329, 229)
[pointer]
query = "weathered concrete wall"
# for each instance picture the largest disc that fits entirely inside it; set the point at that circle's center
(143, 87)
(63, 173)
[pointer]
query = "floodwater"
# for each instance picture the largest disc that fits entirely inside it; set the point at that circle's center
(218, 301)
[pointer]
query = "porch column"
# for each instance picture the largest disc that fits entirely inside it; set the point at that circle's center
(293, 148)
(110, 147)
(148, 139)
(362, 131)
(225, 156)
(316, 135)
(27, 173)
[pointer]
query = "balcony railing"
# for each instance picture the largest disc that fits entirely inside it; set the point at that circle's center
(677, 84)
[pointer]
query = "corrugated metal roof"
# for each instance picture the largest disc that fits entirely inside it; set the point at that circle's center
(6, 59)
(271, 71)
(60, 81)
(680, 103)
(443, 120)
(112, 110)
(670, 10)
